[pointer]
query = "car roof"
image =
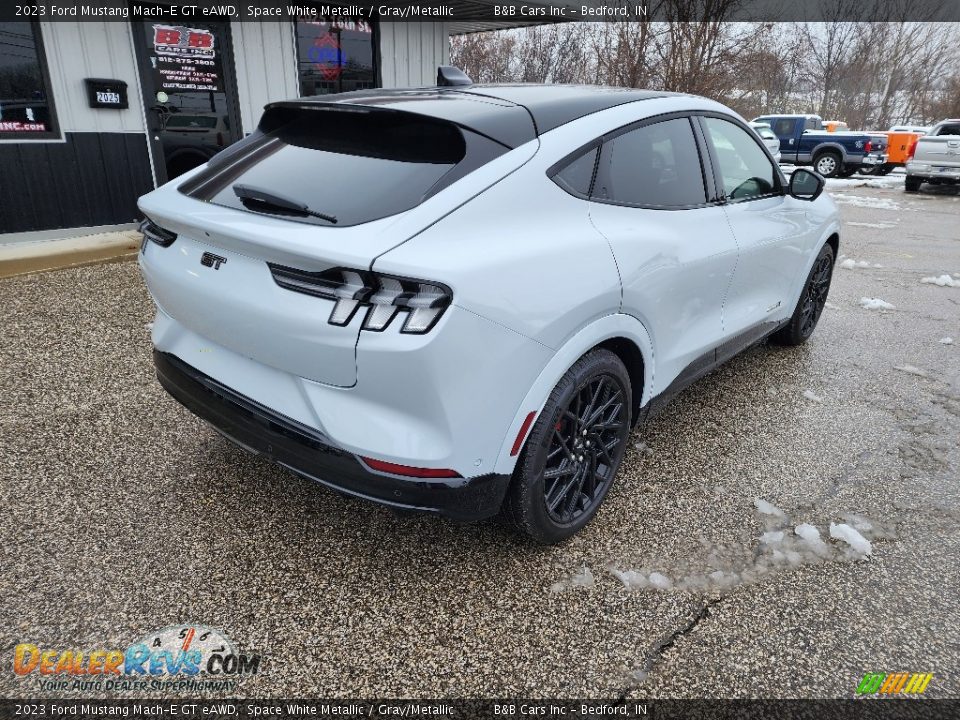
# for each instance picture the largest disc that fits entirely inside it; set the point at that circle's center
(511, 114)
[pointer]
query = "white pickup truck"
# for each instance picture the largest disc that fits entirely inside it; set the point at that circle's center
(936, 157)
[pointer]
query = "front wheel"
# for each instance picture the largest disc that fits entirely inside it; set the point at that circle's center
(570, 459)
(811, 303)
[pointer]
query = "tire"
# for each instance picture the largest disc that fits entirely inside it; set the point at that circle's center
(828, 163)
(886, 169)
(846, 172)
(811, 303)
(869, 170)
(563, 475)
(912, 183)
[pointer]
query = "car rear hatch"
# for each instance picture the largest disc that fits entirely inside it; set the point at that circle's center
(318, 189)
(942, 150)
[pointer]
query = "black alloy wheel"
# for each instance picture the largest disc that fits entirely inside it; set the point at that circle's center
(580, 460)
(812, 301)
(570, 459)
(815, 294)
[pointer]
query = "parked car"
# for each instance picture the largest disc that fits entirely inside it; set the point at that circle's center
(191, 139)
(770, 140)
(919, 129)
(803, 141)
(935, 157)
(461, 299)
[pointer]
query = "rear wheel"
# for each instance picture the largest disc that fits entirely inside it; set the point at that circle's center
(912, 183)
(811, 303)
(827, 163)
(846, 171)
(568, 464)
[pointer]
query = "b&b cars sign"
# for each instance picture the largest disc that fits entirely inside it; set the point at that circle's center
(186, 59)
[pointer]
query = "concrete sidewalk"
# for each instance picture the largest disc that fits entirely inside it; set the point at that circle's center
(43, 255)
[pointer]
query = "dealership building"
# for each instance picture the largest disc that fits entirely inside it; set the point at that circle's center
(94, 114)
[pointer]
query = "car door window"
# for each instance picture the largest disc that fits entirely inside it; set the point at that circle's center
(745, 169)
(654, 165)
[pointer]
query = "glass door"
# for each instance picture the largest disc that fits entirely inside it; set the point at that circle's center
(189, 92)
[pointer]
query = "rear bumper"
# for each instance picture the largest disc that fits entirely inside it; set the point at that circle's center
(932, 172)
(312, 455)
(874, 159)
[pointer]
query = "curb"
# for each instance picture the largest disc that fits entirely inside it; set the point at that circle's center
(46, 255)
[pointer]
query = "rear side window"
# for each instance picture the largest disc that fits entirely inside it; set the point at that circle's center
(577, 177)
(784, 126)
(341, 167)
(952, 129)
(654, 165)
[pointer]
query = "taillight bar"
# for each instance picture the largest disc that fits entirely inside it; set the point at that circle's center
(384, 296)
(153, 232)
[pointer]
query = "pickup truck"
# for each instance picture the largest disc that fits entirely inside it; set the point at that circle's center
(935, 157)
(804, 141)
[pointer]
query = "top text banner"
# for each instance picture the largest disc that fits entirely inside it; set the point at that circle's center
(483, 11)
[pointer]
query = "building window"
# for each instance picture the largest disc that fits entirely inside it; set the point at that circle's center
(26, 107)
(336, 56)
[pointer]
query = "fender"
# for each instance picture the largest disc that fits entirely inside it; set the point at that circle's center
(819, 148)
(832, 228)
(618, 325)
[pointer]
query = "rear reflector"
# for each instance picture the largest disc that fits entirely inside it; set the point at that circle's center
(408, 471)
(518, 443)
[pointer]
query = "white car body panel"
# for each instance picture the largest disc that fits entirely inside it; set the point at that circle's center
(538, 276)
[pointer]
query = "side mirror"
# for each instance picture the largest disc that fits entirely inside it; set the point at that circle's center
(806, 184)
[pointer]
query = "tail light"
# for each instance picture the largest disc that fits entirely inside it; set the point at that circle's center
(383, 296)
(912, 149)
(153, 232)
(868, 147)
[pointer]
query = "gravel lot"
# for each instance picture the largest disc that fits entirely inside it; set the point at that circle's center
(121, 513)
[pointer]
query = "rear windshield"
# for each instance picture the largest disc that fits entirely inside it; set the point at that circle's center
(340, 167)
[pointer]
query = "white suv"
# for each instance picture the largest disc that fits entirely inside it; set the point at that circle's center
(461, 299)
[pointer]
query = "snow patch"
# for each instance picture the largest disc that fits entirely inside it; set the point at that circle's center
(811, 536)
(872, 203)
(584, 578)
(849, 535)
(812, 396)
(766, 508)
(878, 226)
(851, 264)
(912, 369)
(942, 281)
(660, 582)
(875, 304)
